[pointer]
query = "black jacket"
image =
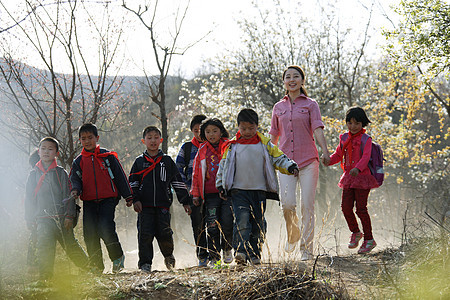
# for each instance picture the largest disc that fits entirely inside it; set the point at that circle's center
(154, 190)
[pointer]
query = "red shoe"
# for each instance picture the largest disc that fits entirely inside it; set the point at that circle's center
(367, 246)
(354, 240)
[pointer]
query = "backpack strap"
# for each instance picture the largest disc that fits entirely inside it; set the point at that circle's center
(187, 156)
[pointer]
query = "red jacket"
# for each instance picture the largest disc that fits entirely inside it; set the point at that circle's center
(199, 172)
(95, 180)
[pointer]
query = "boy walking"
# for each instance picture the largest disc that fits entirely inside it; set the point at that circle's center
(97, 176)
(152, 175)
(247, 173)
(184, 162)
(50, 212)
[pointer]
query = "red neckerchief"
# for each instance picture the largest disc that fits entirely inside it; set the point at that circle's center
(195, 142)
(215, 152)
(253, 140)
(147, 170)
(40, 166)
(97, 155)
(348, 144)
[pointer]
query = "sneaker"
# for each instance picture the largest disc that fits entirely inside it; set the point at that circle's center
(146, 268)
(354, 239)
(227, 257)
(367, 246)
(289, 247)
(255, 261)
(306, 255)
(240, 259)
(203, 262)
(170, 262)
(118, 264)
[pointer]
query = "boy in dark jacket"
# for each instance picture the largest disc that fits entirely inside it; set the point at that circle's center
(97, 176)
(184, 161)
(49, 210)
(151, 177)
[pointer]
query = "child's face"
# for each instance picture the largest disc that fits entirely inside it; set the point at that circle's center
(88, 141)
(196, 132)
(47, 152)
(152, 141)
(247, 129)
(354, 126)
(213, 134)
(293, 80)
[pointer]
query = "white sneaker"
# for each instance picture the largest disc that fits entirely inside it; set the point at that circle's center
(289, 247)
(227, 257)
(306, 255)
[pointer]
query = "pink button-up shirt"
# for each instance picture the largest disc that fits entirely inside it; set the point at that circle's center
(295, 123)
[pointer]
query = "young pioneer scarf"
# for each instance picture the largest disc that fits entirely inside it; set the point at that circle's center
(239, 140)
(348, 146)
(195, 142)
(40, 166)
(147, 170)
(97, 155)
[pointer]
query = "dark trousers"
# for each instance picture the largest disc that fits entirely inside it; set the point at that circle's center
(98, 223)
(350, 197)
(154, 222)
(219, 223)
(31, 254)
(198, 228)
(48, 231)
(248, 208)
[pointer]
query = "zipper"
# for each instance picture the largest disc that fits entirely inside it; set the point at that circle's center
(154, 187)
(95, 178)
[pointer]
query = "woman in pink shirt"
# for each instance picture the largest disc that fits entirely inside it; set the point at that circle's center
(296, 120)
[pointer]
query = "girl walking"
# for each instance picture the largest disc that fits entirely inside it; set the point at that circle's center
(218, 217)
(357, 180)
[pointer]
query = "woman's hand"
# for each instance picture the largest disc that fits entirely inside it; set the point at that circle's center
(326, 160)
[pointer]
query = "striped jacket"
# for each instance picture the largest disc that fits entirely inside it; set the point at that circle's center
(154, 190)
(274, 159)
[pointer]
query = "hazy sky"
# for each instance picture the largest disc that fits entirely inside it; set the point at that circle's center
(219, 17)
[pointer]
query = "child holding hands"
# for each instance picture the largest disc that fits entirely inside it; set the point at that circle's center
(98, 178)
(357, 181)
(247, 173)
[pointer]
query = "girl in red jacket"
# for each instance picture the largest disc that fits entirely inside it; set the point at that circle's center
(357, 180)
(218, 217)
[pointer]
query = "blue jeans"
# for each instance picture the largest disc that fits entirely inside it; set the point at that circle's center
(219, 222)
(249, 207)
(154, 222)
(98, 223)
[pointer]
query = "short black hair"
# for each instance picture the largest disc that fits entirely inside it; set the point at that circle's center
(197, 119)
(358, 114)
(88, 127)
(150, 129)
(247, 115)
(216, 122)
(50, 139)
